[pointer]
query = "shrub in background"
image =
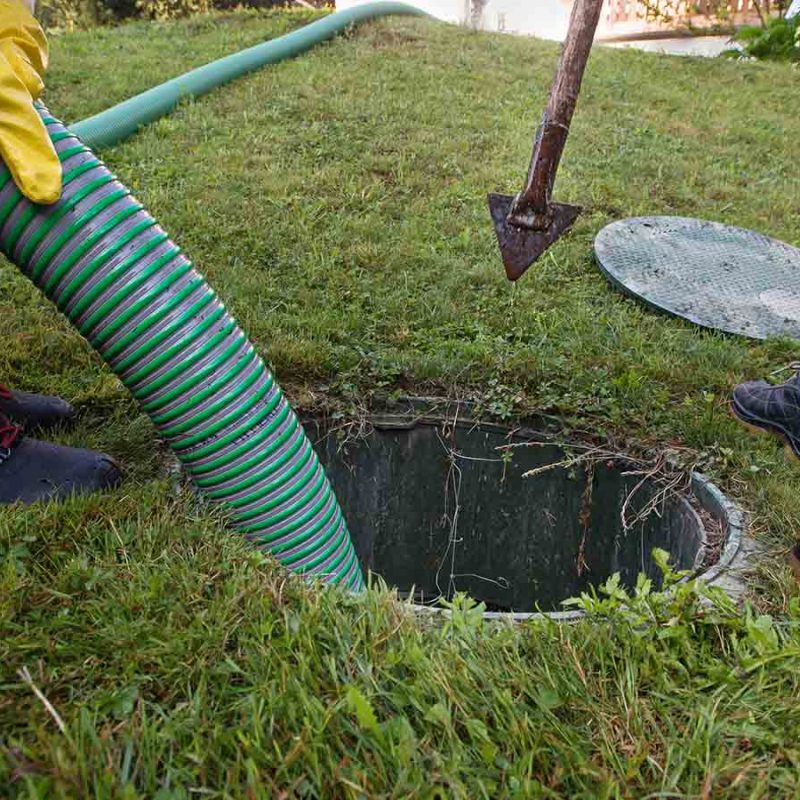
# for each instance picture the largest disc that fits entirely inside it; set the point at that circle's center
(777, 40)
(172, 9)
(67, 15)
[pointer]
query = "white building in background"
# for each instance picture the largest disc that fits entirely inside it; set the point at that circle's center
(544, 18)
(548, 19)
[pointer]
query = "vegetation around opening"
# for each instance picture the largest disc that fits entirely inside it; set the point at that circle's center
(337, 204)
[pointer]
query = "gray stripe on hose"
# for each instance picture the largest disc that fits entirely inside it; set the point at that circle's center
(235, 413)
(155, 396)
(5, 232)
(74, 242)
(239, 442)
(334, 533)
(174, 339)
(276, 544)
(143, 314)
(229, 387)
(122, 280)
(289, 486)
(266, 527)
(325, 567)
(180, 443)
(308, 550)
(247, 454)
(246, 355)
(9, 189)
(96, 249)
(145, 386)
(229, 484)
(346, 580)
(314, 544)
(67, 143)
(77, 159)
(32, 227)
(147, 289)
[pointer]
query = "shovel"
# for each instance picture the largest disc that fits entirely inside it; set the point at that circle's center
(526, 225)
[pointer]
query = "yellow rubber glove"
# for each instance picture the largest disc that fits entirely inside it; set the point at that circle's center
(25, 146)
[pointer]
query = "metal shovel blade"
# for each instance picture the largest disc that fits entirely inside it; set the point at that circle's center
(520, 247)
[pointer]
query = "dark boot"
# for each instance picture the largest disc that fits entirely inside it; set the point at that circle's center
(774, 409)
(35, 411)
(31, 470)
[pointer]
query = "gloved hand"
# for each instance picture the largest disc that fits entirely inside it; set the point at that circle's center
(25, 146)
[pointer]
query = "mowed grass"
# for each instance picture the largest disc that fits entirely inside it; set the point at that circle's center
(337, 204)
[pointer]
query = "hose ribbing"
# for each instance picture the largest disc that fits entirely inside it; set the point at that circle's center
(117, 276)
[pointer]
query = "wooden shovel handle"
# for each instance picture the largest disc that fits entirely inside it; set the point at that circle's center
(531, 205)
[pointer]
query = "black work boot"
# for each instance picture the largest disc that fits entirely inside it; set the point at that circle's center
(774, 409)
(35, 411)
(31, 470)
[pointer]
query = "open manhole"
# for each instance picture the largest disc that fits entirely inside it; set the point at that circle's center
(438, 505)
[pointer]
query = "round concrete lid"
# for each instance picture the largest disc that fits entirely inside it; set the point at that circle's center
(714, 275)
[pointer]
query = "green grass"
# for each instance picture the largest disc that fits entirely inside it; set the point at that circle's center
(336, 202)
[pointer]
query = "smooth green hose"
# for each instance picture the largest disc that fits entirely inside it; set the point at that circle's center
(123, 120)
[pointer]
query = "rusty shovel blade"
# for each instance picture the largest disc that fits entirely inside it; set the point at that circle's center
(519, 246)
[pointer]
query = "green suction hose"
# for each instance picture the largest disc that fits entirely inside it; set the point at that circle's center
(123, 120)
(117, 276)
(120, 280)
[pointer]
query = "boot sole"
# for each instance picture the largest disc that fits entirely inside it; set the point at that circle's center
(759, 425)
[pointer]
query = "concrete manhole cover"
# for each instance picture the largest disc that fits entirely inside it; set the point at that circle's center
(714, 275)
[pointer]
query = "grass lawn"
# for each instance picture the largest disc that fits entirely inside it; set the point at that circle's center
(337, 203)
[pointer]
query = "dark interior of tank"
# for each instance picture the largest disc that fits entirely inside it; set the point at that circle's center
(436, 508)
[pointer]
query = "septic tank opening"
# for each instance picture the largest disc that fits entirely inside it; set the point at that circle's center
(438, 506)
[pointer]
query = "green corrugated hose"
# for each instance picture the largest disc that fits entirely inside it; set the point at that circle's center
(119, 279)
